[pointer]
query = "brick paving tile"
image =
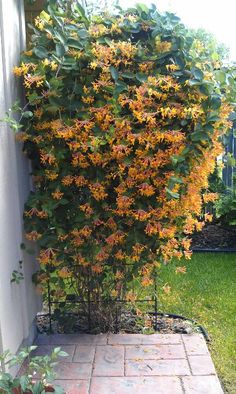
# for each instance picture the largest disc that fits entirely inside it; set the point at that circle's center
(201, 365)
(74, 386)
(195, 344)
(155, 352)
(47, 350)
(142, 339)
(149, 385)
(84, 354)
(109, 361)
(156, 363)
(71, 339)
(71, 371)
(202, 385)
(157, 367)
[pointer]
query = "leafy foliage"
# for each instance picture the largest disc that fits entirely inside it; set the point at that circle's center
(128, 111)
(43, 366)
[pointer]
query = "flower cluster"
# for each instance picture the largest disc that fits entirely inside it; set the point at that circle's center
(128, 117)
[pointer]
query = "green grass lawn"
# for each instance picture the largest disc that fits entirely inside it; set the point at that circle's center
(207, 293)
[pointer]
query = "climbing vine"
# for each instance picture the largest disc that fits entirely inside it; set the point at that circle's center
(126, 115)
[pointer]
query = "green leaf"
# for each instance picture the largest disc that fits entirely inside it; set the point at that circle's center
(220, 76)
(24, 382)
(61, 353)
(197, 73)
(60, 37)
(32, 97)
(4, 385)
(58, 390)
(45, 16)
(40, 52)
(82, 33)
(193, 82)
(128, 75)
(114, 73)
(38, 388)
(60, 50)
(171, 194)
(141, 77)
(176, 180)
(72, 42)
(142, 8)
(199, 136)
(212, 116)
(232, 116)
(27, 114)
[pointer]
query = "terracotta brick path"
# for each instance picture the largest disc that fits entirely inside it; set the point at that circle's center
(133, 364)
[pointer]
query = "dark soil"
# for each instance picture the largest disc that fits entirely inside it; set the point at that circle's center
(215, 236)
(129, 324)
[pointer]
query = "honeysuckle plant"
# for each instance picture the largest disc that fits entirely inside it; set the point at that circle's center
(124, 122)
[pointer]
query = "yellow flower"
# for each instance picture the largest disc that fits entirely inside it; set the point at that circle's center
(51, 175)
(53, 65)
(163, 46)
(39, 23)
(28, 53)
(93, 65)
(46, 62)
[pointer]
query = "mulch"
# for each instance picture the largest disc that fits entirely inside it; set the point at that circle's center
(215, 236)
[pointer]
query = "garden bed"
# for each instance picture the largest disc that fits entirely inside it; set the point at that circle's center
(130, 323)
(215, 236)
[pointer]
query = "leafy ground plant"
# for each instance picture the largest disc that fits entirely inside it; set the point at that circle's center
(38, 372)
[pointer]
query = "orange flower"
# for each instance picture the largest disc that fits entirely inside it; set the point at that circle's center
(120, 255)
(210, 197)
(119, 275)
(124, 202)
(166, 288)
(146, 190)
(188, 254)
(97, 269)
(141, 215)
(146, 281)
(64, 273)
(42, 214)
(85, 231)
(208, 217)
(46, 256)
(98, 191)
(80, 180)
(57, 195)
(67, 180)
(102, 256)
(33, 236)
(181, 270)
(86, 208)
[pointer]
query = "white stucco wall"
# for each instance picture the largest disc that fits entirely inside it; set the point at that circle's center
(18, 302)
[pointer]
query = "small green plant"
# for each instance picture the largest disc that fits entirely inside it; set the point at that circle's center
(226, 207)
(14, 116)
(39, 367)
(17, 276)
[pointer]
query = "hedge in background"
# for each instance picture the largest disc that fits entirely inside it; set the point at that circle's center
(126, 113)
